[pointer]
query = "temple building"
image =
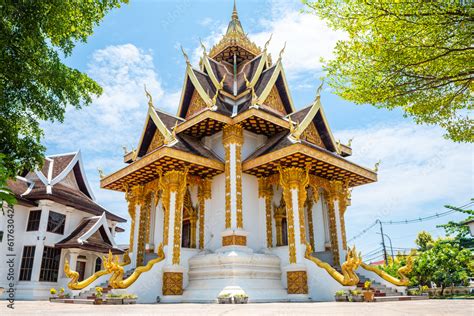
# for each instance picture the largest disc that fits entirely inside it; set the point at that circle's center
(238, 192)
(56, 219)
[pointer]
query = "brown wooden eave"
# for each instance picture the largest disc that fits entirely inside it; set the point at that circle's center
(323, 163)
(167, 158)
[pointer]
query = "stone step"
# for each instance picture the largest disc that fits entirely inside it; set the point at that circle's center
(73, 301)
(400, 298)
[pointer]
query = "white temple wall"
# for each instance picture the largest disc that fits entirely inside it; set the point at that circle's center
(319, 226)
(158, 231)
(214, 223)
(254, 218)
(252, 141)
(214, 142)
(342, 252)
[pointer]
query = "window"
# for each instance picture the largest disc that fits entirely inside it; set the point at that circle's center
(98, 264)
(27, 263)
(33, 221)
(1, 235)
(50, 264)
(186, 234)
(56, 223)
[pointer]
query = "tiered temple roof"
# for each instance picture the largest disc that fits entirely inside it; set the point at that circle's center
(237, 83)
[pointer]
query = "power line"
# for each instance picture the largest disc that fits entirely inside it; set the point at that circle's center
(406, 221)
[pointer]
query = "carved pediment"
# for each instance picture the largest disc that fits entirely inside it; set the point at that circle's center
(311, 135)
(196, 104)
(157, 141)
(274, 101)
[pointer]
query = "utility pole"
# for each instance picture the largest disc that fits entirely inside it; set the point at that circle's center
(383, 242)
(391, 246)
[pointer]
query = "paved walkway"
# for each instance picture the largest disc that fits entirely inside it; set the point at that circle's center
(429, 307)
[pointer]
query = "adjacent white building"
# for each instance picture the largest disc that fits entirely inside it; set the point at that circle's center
(56, 218)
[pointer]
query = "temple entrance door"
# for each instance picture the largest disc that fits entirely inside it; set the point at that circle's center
(186, 231)
(81, 269)
(284, 232)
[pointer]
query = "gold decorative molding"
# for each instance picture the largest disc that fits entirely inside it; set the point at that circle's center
(204, 192)
(309, 214)
(265, 190)
(236, 240)
(232, 134)
(172, 283)
(297, 282)
(131, 199)
(349, 276)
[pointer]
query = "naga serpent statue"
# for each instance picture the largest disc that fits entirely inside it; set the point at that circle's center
(74, 275)
(116, 281)
(402, 272)
(348, 276)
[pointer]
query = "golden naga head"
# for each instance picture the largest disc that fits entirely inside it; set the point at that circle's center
(309, 250)
(353, 259)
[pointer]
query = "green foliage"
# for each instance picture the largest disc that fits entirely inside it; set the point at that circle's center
(417, 55)
(424, 241)
(457, 229)
(35, 84)
(445, 263)
(393, 265)
(6, 194)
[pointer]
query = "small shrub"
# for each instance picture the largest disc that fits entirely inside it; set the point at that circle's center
(225, 295)
(98, 291)
(52, 291)
(340, 293)
(367, 285)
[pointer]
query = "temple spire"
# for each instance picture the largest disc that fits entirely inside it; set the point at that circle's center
(235, 16)
(234, 24)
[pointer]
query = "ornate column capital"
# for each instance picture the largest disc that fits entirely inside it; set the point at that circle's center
(293, 177)
(265, 188)
(233, 134)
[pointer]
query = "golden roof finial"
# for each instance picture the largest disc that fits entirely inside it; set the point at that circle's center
(185, 55)
(235, 16)
(320, 88)
(203, 47)
(377, 164)
(267, 42)
(150, 99)
(349, 142)
(101, 173)
(282, 51)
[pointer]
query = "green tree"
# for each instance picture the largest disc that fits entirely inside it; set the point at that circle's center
(417, 55)
(424, 241)
(445, 264)
(35, 84)
(457, 229)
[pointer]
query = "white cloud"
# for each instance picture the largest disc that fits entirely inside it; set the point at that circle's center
(418, 168)
(307, 37)
(114, 119)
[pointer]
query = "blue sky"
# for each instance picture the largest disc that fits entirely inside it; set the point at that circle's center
(139, 43)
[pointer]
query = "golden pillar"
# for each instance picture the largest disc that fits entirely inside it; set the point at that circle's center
(233, 140)
(265, 190)
(294, 181)
(175, 183)
(204, 192)
(143, 201)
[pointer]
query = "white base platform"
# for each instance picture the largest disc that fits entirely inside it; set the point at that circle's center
(236, 270)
